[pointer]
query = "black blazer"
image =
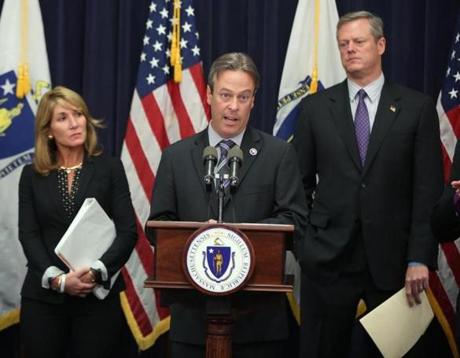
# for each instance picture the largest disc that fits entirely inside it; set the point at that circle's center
(390, 199)
(270, 191)
(42, 220)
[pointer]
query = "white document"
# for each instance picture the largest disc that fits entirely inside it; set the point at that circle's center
(88, 237)
(395, 327)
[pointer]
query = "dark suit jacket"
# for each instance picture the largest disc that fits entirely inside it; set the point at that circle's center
(389, 199)
(270, 191)
(43, 221)
(444, 220)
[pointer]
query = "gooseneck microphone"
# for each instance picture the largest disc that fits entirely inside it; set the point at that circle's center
(235, 155)
(209, 160)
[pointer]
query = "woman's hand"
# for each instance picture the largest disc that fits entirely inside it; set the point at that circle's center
(78, 283)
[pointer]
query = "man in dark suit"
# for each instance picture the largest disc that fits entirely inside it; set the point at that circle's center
(270, 191)
(369, 155)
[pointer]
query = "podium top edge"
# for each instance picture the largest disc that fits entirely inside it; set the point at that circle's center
(158, 224)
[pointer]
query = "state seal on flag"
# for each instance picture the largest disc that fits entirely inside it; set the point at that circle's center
(218, 260)
(16, 119)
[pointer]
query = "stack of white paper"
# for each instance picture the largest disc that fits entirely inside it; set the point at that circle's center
(88, 237)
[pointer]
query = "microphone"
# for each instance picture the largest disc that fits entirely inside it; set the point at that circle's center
(209, 160)
(235, 155)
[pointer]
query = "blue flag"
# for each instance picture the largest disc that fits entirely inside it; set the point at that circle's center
(23, 49)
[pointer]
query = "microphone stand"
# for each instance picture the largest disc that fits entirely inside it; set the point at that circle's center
(219, 309)
(220, 196)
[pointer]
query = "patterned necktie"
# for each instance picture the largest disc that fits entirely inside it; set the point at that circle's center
(362, 125)
(222, 167)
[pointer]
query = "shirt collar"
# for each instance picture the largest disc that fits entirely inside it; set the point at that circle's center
(373, 89)
(215, 138)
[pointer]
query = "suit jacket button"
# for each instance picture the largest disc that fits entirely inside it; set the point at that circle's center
(363, 185)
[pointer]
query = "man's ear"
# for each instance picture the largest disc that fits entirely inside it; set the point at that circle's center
(381, 44)
(208, 94)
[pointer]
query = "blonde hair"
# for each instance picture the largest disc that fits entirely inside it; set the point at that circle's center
(45, 158)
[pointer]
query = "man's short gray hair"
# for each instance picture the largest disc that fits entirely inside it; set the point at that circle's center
(375, 22)
(233, 61)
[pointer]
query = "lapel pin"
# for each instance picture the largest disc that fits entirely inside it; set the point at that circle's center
(393, 109)
(253, 151)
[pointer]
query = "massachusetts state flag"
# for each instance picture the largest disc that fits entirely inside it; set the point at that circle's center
(169, 103)
(312, 63)
(312, 60)
(23, 56)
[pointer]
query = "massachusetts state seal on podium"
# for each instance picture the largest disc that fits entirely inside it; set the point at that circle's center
(218, 259)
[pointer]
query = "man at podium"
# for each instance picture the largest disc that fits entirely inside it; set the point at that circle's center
(260, 186)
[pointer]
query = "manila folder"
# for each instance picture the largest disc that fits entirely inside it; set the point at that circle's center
(395, 327)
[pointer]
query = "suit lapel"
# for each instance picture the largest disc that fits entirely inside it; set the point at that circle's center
(341, 113)
(86, 174)
(251, 147)
(197, 155)
(201, 142)
(387, 111)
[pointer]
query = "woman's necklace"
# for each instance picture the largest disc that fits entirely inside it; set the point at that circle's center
(69, 170)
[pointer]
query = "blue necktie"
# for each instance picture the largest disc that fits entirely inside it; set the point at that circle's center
(362, 126)
(222, 167)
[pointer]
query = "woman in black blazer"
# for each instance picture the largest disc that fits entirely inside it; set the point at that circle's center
(59, 313)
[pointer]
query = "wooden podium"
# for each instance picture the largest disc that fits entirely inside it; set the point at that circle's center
(269, 243)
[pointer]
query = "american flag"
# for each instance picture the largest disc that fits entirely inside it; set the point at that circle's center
(446, 281)
(162, 112)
